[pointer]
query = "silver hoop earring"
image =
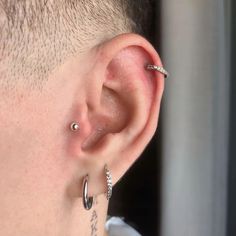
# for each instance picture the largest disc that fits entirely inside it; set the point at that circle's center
(87, 201)
(159, 69)
(74, 126)
(109, 182)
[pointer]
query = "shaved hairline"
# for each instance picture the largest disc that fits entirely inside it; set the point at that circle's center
(38, 35)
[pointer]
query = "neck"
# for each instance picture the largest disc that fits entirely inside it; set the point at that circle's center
(92, 222)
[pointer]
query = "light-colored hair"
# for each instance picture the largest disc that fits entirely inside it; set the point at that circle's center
(38, 35)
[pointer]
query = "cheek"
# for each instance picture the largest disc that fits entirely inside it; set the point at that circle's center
(30, 184)
(31, 176)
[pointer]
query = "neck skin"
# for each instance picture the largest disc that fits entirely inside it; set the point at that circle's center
(92, 222)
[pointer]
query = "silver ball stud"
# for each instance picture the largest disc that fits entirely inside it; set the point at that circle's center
(74, 126)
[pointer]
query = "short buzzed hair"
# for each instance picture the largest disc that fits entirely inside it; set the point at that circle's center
(38, 35)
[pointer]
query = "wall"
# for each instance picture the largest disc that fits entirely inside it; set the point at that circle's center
(195, 117)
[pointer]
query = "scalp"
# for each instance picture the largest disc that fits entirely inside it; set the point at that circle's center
(38, 35)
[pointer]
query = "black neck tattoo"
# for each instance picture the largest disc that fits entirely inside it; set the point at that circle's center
(94, 221)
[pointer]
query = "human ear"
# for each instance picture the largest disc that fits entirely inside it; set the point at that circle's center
(122, 101)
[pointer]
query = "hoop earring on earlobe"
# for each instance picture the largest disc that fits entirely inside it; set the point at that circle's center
(109, 182)
(87, 201)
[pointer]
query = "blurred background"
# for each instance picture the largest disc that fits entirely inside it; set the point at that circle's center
(184, 184)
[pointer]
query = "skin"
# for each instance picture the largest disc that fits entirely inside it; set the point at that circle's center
(42, 163)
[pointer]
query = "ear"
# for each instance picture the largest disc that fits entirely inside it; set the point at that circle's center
(122, 102)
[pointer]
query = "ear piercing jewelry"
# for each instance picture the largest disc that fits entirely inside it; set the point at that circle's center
(74, 126)
(109, 182)
(87, 201)
(159, 69)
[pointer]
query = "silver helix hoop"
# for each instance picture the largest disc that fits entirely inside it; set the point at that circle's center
(159, 69)
(87, 201)
(109, 182)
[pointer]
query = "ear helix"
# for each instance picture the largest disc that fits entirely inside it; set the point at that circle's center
(159, 69)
